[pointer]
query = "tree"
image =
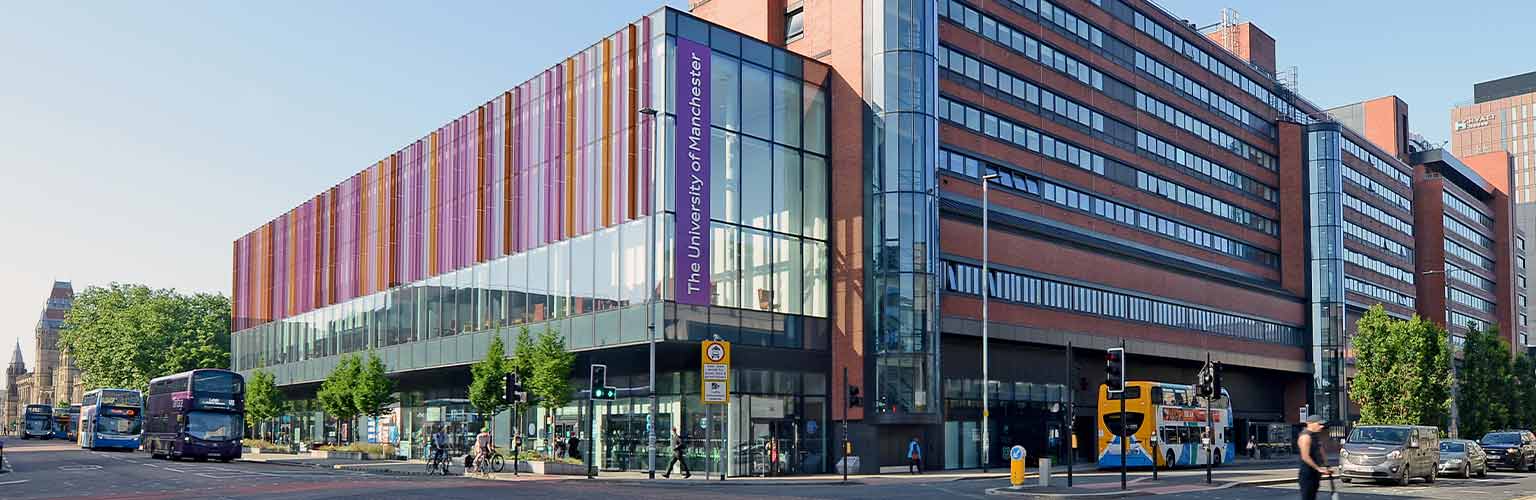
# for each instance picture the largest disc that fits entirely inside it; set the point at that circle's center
(335, 394)
(551, 380)
(262, 399)
(1484, 380)
(487, 388)
(1402, 370)
(1523, 382)
(373, 391)
(123, 335)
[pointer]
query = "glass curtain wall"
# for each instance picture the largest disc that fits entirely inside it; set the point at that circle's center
(901, 137)
(1325, 255)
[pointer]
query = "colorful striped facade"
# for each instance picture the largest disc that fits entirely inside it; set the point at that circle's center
(561, 155)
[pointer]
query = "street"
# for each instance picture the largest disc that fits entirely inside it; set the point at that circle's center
(60, 470)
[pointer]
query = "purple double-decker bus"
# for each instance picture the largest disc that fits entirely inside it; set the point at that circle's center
(197, 414)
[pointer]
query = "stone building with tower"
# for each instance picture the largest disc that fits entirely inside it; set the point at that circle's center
(54, 377)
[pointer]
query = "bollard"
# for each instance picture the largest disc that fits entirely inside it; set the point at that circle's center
(1016, 465)
(1045, 472)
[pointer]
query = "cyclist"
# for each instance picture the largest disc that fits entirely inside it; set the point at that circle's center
(439, 450)
(483, 449)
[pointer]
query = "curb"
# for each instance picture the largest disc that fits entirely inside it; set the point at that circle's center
(740, 482)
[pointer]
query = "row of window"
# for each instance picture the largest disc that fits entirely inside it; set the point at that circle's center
(1377, 214)
(1210, 63)
(1470, 278)
(1072, 198)
(1027, 92)
(1371, 238)
(1019, 88)
(1194, 89)
(1211, 134)
(1462, 320)
(1471, 301)
(1179, 156)
(1466, 254)
(1377, 292)
(1032, 48)
(1465, 231)
(1371, 185)
(1010, 286)
(1382, 268)
(1380, 164)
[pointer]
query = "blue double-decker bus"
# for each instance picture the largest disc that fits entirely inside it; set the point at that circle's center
(66, 420)
(111, 418)
(195, 414)
(37, 422)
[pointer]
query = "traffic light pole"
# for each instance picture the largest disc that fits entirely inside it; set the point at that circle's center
(1124, 427)
(1210, 430)
(1071, 416)
(846, 406)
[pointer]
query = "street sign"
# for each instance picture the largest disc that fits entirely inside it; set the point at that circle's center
(715, 370)
(1016, 453)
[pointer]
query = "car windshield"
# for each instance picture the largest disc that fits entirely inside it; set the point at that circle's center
(214, 426)
(1453, 447)
(117, 425)
(1502, 438)
(1378, 435)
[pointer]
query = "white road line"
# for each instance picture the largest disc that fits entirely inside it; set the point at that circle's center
(14, 482)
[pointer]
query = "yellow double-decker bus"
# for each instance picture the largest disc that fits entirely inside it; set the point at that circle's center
(1177, 417)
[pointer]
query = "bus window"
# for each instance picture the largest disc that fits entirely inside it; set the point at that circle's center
(1130, 392)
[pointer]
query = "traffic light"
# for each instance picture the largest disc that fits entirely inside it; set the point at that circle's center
(515, 391)
(1216, 379)
(599, 384)
(1203, 381)
(1114, 369)
(854, 399)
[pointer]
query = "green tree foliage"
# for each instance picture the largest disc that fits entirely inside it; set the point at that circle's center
(262, 399)
(373, 391)
(123, 335)
(1523, 385)
(1402, 370)
(551, 381)
(335, 394)
(524, 351)
(1485, 393)
(487, 387)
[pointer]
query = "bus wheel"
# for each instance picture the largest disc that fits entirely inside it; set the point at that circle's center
(1168, 464)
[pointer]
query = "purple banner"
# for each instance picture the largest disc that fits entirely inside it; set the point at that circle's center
(691, 174)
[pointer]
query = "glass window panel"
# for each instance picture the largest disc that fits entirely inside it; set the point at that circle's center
(756, 113)
(725, 175)
(725, 78)
(725, 253)
(786, 109)
(786, 190)
(815, 291)
(815, 119)
(787, 277)
(756, 269)
(814, 180)
(757, 172)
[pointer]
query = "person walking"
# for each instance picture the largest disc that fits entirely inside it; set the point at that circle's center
(1313, 461)
(914, 457)
(678, 447)
(559, 446)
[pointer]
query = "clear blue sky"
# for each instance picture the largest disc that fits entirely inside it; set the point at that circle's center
(138, 139)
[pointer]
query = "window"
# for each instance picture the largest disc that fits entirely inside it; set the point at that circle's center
(794, 23)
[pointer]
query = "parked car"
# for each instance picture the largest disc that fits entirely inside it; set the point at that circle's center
(1510, 449)
(1463, 457)
(1396, 453)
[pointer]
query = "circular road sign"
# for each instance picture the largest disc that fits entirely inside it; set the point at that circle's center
(716, 352)
(1016, 453)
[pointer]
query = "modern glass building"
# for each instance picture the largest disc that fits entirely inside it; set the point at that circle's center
(634, 175)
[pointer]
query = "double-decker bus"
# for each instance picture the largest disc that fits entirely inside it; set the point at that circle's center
(66, 421)
(37, 422)
(1177, 417)
(198, 414)
(111, 418)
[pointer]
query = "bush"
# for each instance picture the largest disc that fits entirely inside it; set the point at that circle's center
(377, 450)
(259, 444)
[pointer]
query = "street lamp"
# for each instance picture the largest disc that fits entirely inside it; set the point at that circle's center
(1450, 338)
(650, 313)
(986, 282)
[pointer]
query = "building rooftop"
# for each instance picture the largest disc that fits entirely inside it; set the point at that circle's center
(1493, 90)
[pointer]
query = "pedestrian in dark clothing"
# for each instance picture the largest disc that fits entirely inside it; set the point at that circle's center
(914, 457)
(677, 456)
(1313, 461)
(573, 448)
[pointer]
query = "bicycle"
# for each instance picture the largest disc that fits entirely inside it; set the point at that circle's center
(492, 462)
(438, 461)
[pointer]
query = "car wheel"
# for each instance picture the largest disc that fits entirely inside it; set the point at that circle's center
(1405, 478)
(1483, 472)
(1433, 473)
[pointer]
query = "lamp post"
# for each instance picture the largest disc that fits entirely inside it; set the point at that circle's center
(986, 285)
(1451, 339)
(650, 314)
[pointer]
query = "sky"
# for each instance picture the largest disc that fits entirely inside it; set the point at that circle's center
(138, 140)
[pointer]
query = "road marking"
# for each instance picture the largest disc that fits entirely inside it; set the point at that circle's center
(78, 468)
(14, 482)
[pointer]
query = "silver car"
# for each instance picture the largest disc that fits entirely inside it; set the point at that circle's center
(1463, 458)
(1396, 453)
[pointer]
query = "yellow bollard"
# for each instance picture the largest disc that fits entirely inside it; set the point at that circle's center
(1016, 465)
